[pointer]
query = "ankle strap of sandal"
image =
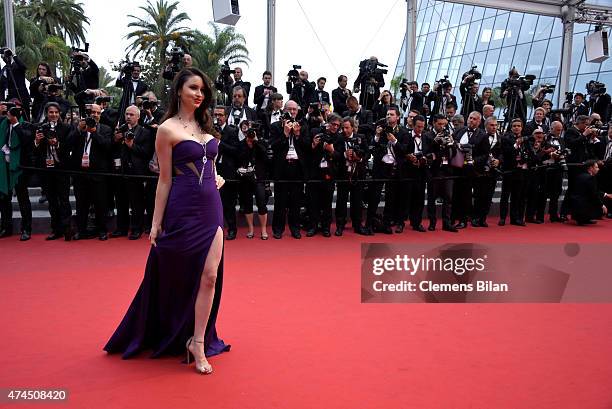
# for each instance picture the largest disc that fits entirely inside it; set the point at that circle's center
(199, 342)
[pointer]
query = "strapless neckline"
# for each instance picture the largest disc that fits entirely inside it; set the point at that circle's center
(194, 141)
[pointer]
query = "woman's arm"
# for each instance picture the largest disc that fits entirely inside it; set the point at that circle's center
(163, 147)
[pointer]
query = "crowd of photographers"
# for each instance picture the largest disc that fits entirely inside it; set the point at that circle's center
(414, 150)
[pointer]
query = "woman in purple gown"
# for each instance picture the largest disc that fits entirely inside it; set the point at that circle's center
(177, 303)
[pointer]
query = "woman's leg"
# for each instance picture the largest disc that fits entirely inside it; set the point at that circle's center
(206, 293)
(249, 220)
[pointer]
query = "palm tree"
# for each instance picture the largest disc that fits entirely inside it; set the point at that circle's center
(61, 18)
(208, 52)
(105, 78)
(161, 27)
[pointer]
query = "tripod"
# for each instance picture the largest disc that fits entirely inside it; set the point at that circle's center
(8, 73)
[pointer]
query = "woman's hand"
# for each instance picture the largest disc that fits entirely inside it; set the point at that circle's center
(155, 231)
(219, 181)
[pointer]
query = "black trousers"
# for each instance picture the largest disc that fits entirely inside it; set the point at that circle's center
(25, 206)
(88, 191)
(513, 190)
(150, 190)
(229, 197)
(536, 194)
(58, 196)
(123, 203)
(287, 197)
(136, 197)
(321, 195)
(392, 211)
(355, 190)
(462, 195)
(248, 189)
(413, 194)
(572, 172)
(484, 189)
(554, 187)
(443, 189)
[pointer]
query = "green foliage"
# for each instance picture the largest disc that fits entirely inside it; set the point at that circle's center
(60, 18)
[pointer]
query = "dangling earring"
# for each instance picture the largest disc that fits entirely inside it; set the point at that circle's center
(179, 103)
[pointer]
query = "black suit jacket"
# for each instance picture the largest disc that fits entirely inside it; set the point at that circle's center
(319, 96)
(126, 81)
(280, 145)
(15, 75)
(251, 115)
(602, 105)
(365, 118)
(339, 97)
(341, 161)
(63, 148)
(577, 143)
(480, 146)
(135, 160)
(259, 97)
(227, 158)
(586, 199)
(98, 152)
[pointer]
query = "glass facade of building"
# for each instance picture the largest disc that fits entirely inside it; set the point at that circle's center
(451, 38)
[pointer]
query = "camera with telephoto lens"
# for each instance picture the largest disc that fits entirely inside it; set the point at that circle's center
(324, 137)
(6, 53)
(596, 88)
(223, 80)
(354, 145)
(294, 75)
(424, 160)
(176, 55)
(523, 82)
(548, 88)
(102, 100)
(254, 129)
(563, 153)
(47, 130)
(386, 130)
(442, 83)
(476, 75)
(126, 131)
(600, 131)
(127, 66)
(371, 68)
(316, 109)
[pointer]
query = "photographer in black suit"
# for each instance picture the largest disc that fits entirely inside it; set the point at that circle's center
(470, 158)
(320, 95)
(52, 151)
(136, 147)
(263, 93)
(84, 76)
(39, 87)
(240, 111)
(438, 145)
(290, 144)
(586, 200)
(12, 79)
(340, 95)
(364, 118)
(415, 167)
(601, 104)
(300, 89)
(411, 99)
(227, 163)
(485, 183)
(388, 149)
(237, 82)
(129, 80)
(322, 171)
(515, 165)
(90, 143)
(369, 82)
(351, 152)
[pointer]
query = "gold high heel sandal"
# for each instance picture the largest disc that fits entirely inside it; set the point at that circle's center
(201, 367)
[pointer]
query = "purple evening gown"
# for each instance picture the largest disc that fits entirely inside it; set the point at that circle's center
(161, 317)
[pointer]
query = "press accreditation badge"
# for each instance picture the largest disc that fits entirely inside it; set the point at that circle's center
(50, 162)
(85, 160)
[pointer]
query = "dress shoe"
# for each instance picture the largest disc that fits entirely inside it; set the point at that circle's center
(135, 235)
(25, 236)
(53, 236)
(387, 230)
(484, 223)
(75, 236)
(118, 233)
(529, 220)
(67, 234)
(326, 233)
(554, 219)
(563, 218)
(231, 235)
(585, 222)
(419, 228)
(368, 231)
(361, 231)
(475, 223)
(431, 227)
(399, 228)
(277, 235)
(339, 231)
(461, 225)
(5, 233)
(538, 221)
(450, 228)
(296, 234)
(501, 222)
(103, 237)
(518, 223)
(310, 232)
(609, 215)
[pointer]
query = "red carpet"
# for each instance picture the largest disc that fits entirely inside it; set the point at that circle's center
(300, 336)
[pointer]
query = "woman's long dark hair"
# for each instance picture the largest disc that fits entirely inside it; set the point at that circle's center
(46, 65)
(202, 113)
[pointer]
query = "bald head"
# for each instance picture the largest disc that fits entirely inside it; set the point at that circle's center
(556, 128)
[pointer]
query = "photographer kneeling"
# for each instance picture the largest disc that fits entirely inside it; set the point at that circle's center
(251, 171)
(586, 201)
